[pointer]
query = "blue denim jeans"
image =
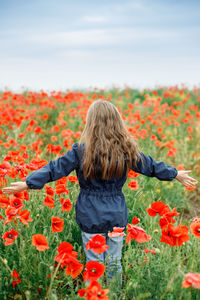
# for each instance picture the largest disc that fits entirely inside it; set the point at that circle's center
(111, 257)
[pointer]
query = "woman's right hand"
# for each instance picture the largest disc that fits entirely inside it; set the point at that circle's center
(186, 180)
(15, 188)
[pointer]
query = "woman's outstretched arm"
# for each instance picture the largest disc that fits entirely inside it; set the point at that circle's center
(54, 170)
(151, 168)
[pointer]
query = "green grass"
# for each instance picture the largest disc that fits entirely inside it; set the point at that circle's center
(158, 278)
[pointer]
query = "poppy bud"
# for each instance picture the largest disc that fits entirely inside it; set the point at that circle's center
(51, 268)
(27, 293)
(156, 231)
(5, 261)
(157, 250)
(69, 236)
(131, 285)
(54, 296)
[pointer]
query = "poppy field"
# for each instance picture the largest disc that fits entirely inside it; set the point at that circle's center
(41, 251)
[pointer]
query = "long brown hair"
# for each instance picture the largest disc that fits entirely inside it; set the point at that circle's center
(107, 142)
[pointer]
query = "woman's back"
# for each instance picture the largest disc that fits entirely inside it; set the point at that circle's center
(101, 204)
(104, 186)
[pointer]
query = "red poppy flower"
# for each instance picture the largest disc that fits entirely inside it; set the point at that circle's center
(190, 188)
(55, 128)
(54, 138)
(5, 169)
(97, 244)
(74, 269)
(49, 190)
(5, 165)
(56, 149)
(117, 231)
(158, 208)
(57, 224)
(191, 279)
(66, 204)
(94, 270)
(133, 185)
(73, 179)
(168, 218)
(82, 292)
(62, 180)
(40, 242)
(16, 203)
(135, 220)
(15, 275)
(4, 201)
(24, 217)
(66, 254)
(26, 195)
(10, 212)
(36, 163)
(9, 237)
(32, 122)
(137, 233)
(38, 129)
(65, 247)
(172, 152)
(68, 257)
(49, 201)
(94, 291)
(60, 188)
(195, 227)
(132, 174)
(175, 236)
(147, 250)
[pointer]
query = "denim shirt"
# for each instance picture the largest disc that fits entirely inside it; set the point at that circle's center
(101, 204)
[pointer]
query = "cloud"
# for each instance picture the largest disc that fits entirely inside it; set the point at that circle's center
(73, 38)
(95, 19)
(99, 43)
(88, 68)
(101, 37)
(128, 6)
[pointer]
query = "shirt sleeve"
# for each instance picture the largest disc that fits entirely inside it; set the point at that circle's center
(54, 170)
(152, 168)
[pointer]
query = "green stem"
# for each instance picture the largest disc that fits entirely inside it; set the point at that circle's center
(51, 283)
(168, 286)
(195, 254)
(4, 261)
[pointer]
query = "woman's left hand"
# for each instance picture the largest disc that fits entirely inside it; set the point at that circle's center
(16, 187)
(186, 180)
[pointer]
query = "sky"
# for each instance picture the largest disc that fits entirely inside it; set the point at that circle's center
(82, 44)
